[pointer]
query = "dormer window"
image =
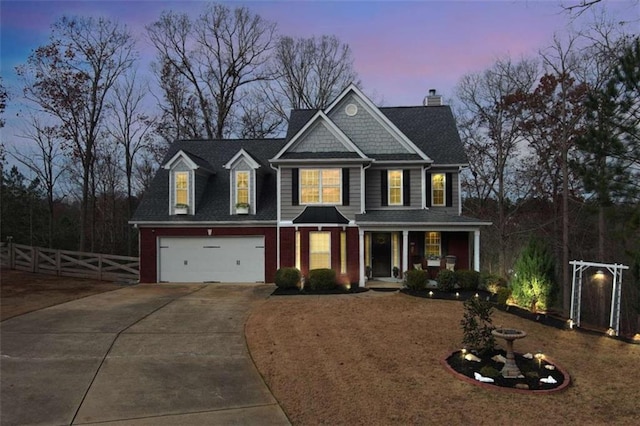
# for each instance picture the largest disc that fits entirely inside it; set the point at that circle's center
(182, 188)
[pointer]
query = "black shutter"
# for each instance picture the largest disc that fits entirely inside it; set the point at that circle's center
(295, 193)
(383, 188)
(406, 187)
(345, 187)
(428, 189)
(449, 189)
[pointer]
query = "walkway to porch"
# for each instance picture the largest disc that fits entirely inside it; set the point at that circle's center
(392, 283)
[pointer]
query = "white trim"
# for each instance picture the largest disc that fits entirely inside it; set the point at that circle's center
(248, 158)
(321, 117)
(459, 193)
(361, 281)
(405, 251)
(476, 250)
(184, 157)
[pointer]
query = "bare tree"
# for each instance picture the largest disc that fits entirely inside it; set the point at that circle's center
(131, 129)
(70, 78)
(45, 161)
(491, 136)
(308, 73)
(552, 118)
(218, 54)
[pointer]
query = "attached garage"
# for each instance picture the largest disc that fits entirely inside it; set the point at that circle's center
(211, 259)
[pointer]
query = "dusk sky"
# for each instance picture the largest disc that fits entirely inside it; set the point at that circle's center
(401, 49)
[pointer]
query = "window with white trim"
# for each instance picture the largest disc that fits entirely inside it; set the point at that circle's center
(319, 250)
(394, 185)
(438, 188)
(432, 244)
(320, 186)
(182, 187)
(242, 187)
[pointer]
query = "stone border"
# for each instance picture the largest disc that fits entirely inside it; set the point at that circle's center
(563, 385)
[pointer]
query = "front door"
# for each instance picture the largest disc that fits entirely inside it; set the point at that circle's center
(381, 254)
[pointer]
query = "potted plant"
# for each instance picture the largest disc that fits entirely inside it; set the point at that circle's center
(433, 260)
(242, 208)
(396, 272)
(181, 208)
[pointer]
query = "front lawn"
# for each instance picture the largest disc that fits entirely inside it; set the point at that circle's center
(374, 358)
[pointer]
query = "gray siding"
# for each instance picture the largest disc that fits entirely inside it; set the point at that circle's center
(454, 187)
(290, 212)
(364, 130)
(318, 139)
(373, 196)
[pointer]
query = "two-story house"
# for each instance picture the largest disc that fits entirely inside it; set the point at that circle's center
(357, 188)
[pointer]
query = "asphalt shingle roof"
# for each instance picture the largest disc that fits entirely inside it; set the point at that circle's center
(213, 204)
(432, 129)
(415, 217)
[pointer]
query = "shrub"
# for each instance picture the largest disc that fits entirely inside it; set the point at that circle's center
(287, 277)
(415, 279)
(477, 327)
(321, 279)
(446, 280)
(533, 285)
(492, 283)
(468, 280)
(503, 295)
(489, 371)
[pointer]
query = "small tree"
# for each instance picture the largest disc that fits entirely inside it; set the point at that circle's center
(477, 326)
(533, 285)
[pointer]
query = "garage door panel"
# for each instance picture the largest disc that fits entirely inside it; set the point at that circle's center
(211, 259)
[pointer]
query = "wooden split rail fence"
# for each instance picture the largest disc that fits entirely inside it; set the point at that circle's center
(67, 263)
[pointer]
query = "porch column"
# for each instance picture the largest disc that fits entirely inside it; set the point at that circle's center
(405, 251)
(362, 280)
(476, 250)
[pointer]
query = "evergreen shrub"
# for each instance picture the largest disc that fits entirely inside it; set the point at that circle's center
(415, 279)
(287, 278)
(533, 285)
(446, 280)
(321, 279)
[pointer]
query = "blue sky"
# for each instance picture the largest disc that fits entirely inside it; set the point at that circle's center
(401, 48)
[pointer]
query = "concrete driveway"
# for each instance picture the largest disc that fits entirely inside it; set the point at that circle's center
(160, 354)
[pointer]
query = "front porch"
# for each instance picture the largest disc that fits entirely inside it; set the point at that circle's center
(386, 253)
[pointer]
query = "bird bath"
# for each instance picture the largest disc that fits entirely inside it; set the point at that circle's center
(510, 369)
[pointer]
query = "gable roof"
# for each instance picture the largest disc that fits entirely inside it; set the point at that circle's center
(319, 117)
(432, 129)
(253, 163)
(193, 161)
(213, 204)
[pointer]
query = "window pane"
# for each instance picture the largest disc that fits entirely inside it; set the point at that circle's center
(394, 182)
(319, 250)
(437, 189)
(242, 187)
(182, 192)
(432, 244)
(320, 186)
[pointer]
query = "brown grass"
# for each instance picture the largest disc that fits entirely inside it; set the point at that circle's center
(23, 292)
(374, 358)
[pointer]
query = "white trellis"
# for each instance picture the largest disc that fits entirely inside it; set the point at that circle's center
(579, 266)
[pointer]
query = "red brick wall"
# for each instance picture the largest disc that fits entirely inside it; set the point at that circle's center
(288, 253)
(148, 246)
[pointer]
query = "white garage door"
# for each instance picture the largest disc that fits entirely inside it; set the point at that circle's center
(211, 259)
